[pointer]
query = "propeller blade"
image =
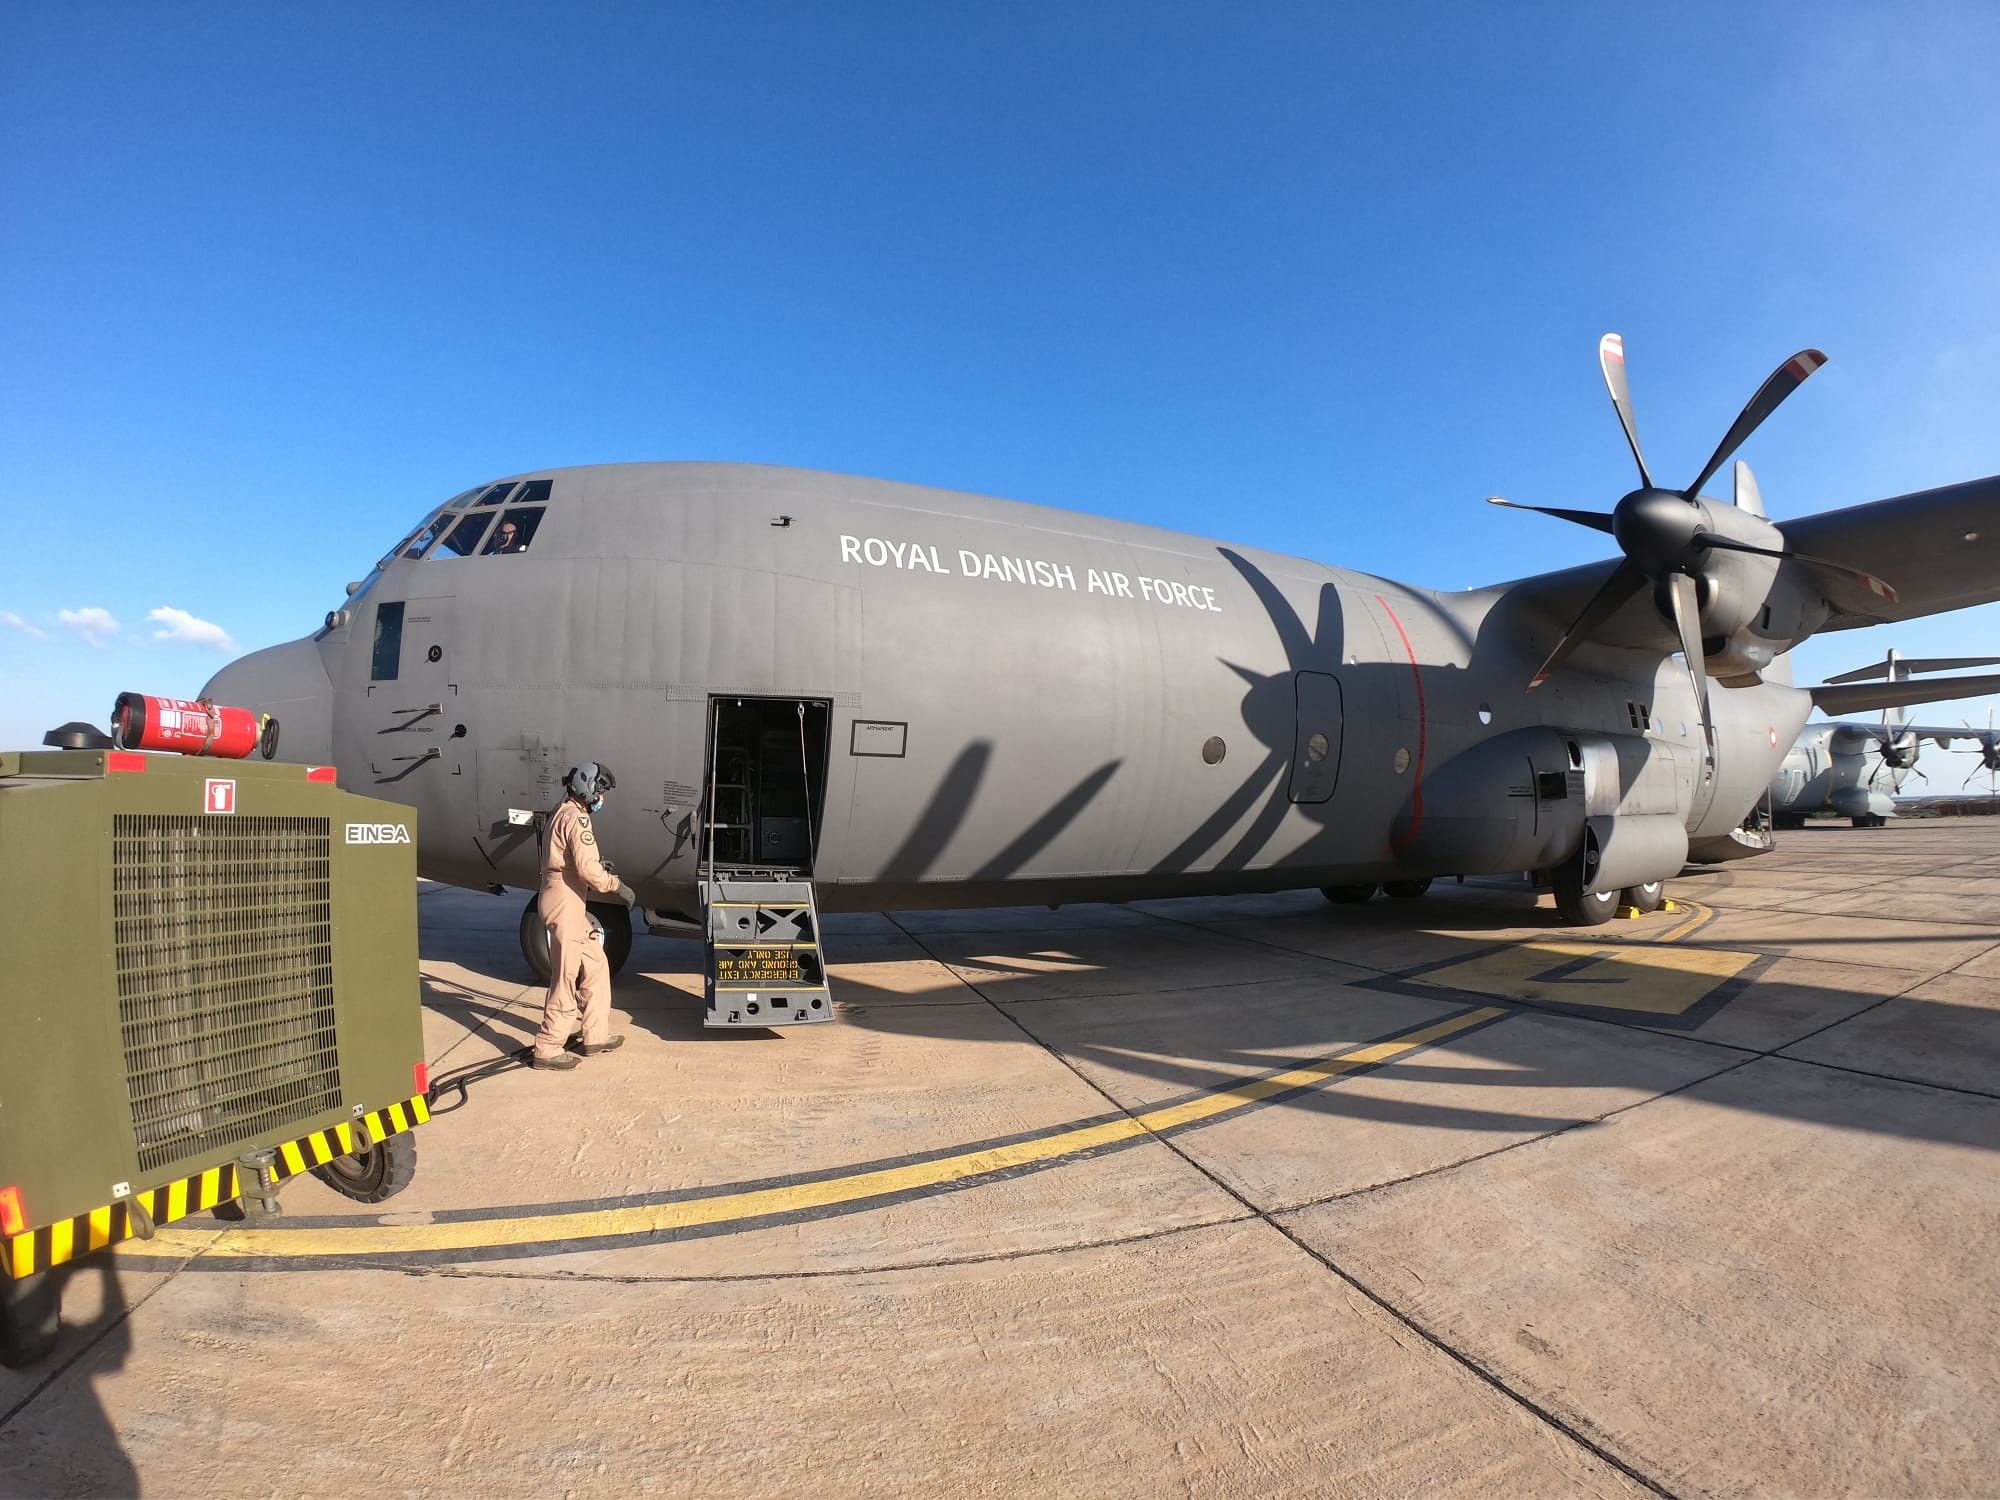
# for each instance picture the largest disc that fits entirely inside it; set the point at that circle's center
(1611, 360)
(1968, 780)
(1876, 586)
(1787, 378)
(1748, 498)
(1625, 581)
(1595, 520)
(1686, 598)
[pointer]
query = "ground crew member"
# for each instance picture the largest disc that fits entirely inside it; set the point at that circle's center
(572, 873)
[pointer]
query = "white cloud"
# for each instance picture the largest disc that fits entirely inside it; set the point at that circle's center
(8, 617)
(182, 626)
(95, 625)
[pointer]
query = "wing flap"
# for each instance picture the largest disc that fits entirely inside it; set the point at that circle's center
(1939, 548)
(1856, 697)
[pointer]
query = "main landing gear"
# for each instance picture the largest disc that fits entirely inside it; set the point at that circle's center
(1580, 909)
(613, 920)
(1576, 907)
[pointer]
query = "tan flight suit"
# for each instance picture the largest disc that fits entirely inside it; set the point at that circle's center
(572, 872)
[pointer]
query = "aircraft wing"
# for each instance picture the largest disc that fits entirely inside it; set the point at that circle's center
(1853, 698)
(1556, 598)
(1939, 549)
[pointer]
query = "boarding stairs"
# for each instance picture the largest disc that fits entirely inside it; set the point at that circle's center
(762, 963)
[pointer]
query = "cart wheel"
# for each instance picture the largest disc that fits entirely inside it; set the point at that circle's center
(30, 1318)
(382, 1171)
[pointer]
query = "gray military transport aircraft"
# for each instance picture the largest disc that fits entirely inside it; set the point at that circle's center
(1857, 769)
(910, 697)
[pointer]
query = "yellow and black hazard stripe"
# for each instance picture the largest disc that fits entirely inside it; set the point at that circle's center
(66, 1239)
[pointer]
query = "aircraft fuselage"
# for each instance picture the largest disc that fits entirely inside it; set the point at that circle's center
(997, 702)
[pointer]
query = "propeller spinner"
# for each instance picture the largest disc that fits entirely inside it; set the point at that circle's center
(1665, 534)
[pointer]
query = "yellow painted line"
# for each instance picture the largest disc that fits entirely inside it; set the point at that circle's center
(1647, 976)
(658, 1218)
(1602, 976)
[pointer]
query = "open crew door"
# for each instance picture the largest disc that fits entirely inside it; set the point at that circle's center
(762, 807)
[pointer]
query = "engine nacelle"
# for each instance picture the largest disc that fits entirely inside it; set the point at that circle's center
(1530, 799)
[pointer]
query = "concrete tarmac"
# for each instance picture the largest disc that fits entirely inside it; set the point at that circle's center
(1228, 1197)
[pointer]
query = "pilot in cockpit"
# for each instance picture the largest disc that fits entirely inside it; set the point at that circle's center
(507, 538)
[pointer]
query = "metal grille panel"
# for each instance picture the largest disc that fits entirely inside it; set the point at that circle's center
(223, 937)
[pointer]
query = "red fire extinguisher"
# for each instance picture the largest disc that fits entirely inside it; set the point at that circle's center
(191, 727)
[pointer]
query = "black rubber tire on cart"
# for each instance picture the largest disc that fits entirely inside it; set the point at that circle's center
(1349, 895)
(382, 1171)
(1406, 890)
(1648, 897)
(613, 918)
(1576, 908)
(30, 1318)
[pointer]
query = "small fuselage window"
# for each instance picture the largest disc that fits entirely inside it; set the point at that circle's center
(516, 530)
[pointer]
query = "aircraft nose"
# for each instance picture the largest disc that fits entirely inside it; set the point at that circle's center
(289, 683)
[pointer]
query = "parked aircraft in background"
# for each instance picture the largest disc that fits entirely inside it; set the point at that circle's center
(914, 697)
(1856, 770)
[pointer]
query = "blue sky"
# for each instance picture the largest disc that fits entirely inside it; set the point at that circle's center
(275, 280)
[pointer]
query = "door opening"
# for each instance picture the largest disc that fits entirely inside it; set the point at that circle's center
(766, 783)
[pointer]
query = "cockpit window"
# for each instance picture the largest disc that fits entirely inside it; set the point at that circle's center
(426, 534)
(457, 501)
(535, 492)
(517, 528)
(463, 539)
(495, 493)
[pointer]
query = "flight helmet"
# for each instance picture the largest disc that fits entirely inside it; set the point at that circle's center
(589, 782)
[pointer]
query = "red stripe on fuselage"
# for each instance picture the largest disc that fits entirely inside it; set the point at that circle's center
(1396, 845)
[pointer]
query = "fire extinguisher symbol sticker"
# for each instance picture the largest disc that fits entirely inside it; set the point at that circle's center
(221, 796)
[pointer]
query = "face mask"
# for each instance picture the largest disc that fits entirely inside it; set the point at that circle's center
(597, 804)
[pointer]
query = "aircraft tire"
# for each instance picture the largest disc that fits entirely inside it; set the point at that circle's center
(535, 940)
(382, 1171)
(613, 918)
(1349, 895)
(616, 921)
(1572, 905)
(1869, 820)
(30, 1318)
(1789, 823)
(1648, 897)
(1406, 890)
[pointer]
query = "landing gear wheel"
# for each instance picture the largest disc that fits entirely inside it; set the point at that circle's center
(616, 921)
(1576, 908)
(1349, 895)
(1406, 890)
(382, 1171)
(1788, 824)
(1869, 820)
(1648, 897)
(535, 940)
(30, 1318)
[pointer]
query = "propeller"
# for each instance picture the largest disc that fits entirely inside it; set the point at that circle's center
(1666, 535)
(1989, 754)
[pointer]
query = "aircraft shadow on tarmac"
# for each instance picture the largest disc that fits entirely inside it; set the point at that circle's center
(1261, 984)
